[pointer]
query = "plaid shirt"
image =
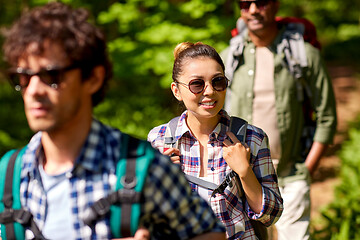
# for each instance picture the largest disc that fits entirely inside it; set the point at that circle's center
(229, 207)
(167, 196)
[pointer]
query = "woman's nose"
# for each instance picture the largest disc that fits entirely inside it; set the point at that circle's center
(208, 89)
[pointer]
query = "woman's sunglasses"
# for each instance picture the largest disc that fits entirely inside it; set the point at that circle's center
(20, 77)
(260, 4)
(196, 86)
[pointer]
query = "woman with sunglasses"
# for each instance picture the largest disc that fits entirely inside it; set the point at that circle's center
(205, 148)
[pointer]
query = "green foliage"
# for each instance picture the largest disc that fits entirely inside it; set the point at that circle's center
(141, 37)
(344, 52)
(335, 20)
(13, 126)
(141, 46)
(342, 216)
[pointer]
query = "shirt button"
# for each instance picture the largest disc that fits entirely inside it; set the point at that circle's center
(252, 50)
(249, 95)
(68, 174)
(212, 169)
(251, 72)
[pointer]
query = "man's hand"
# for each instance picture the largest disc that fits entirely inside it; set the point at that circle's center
(313, 159)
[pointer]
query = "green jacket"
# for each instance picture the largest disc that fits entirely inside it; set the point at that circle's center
(289, 110)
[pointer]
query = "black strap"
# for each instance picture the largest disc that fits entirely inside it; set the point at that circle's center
(129, 184)
(126, 196)
(227, 181)
(10, 215)
(8, 196)
(238, 126)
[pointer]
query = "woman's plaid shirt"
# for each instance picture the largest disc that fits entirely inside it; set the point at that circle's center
(229, 207)
(167, 196)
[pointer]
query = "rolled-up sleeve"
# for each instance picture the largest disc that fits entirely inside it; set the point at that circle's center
(272, 204)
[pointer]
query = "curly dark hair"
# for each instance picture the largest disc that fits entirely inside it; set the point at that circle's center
(83, 43)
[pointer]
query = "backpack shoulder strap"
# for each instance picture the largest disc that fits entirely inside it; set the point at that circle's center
(170, 140)
(293, 47)
(13, 217)
(236, 48)
(10, 167)
(238, 126)
(124, 204)
(131, 172)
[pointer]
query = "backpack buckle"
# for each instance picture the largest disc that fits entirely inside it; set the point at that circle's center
(128, 185)
(22, 216)
(101, 207)
(127, 196)
(7, 216)
(97, 211)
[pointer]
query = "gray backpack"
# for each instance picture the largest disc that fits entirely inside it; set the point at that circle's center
(293, 47)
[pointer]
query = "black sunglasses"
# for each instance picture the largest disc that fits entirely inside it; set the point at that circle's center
(260, 4)
(196, 86)
(20, 77)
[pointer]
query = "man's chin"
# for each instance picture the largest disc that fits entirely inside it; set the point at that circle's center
(40, 125)
(255, 27)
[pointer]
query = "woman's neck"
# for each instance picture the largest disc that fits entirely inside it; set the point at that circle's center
(200, 127)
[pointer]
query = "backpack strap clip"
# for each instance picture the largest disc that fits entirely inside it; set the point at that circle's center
(7, 216)
(129, 182)
(101, 207)
(226, 182)
(127, 196)
(170, 140)
(22, 216)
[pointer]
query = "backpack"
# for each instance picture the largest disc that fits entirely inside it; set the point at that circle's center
(292, 45)
(123, 204)
(238, 126)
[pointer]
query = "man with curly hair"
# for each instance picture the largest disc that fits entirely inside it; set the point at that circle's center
(60, 65)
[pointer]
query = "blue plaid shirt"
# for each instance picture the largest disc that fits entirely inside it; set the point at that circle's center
(167, 196)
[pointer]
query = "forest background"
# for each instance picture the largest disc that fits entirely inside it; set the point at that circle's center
(141, 36)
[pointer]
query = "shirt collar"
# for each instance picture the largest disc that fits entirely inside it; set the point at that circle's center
(219, 132)
(222, 127)
(100, 150)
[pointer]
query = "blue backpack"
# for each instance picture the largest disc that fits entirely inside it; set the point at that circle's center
(123, 204)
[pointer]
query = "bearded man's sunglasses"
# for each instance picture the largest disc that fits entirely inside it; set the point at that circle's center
(20, 77)
(260, 4)
(196, 86)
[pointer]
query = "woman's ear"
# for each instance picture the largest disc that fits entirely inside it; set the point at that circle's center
(175, 90)
(96, 79)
